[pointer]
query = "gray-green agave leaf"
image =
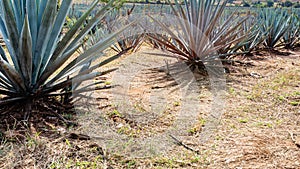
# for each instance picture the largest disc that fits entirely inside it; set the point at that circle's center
(40, 61)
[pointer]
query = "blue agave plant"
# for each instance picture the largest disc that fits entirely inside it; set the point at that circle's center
(275, 22)
(38, 59)
(291, 37)
(201, 32)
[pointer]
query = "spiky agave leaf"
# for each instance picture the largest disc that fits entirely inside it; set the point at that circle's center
(276, 23)
(254, 36)
(130, 39)
(292, 35)
(36, 63)
(232, 27)
(200, 33)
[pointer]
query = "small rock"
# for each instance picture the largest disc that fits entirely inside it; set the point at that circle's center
(120, 126)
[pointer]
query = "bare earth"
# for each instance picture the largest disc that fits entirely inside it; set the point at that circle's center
(259, 127)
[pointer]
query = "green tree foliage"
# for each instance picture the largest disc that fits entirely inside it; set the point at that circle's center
(287, 3)
(270, 3)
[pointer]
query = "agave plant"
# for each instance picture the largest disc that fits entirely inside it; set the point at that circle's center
(200, 32)
(292, 35)
(151, 40)
(239, 32)
(131, 39)
(276, 23)
(154, 32)
(40, 62)
(254, 36)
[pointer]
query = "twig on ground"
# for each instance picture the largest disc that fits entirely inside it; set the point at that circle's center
(59, 116)
(180, 143)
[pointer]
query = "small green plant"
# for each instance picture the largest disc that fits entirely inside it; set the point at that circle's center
(196, 159)
(167, 162)
(294, 103)
(281, 98)
(231, 90)
(107, 83)
(130, 163)
(244, 120)
(176, 104)
(278, 121)
(269, 125)
(68, 143)
(115, 113)
(297, 93)
(197, 128)
(31, 141)
(193, 131)
(124, 130)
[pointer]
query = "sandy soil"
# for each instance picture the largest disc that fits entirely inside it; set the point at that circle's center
(155, 119)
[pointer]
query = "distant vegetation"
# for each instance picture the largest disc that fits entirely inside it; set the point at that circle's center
(265, 3)
(244, 3)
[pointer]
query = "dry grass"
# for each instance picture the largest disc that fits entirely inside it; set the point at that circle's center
(255, 132)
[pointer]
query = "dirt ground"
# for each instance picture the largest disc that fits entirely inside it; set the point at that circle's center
(135, 124)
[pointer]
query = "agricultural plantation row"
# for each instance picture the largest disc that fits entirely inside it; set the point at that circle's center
(250, 29)
(56, 51)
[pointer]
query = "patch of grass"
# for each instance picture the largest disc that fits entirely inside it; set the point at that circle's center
(294, 103)
(281, 88)
(281, 98)
(176, 103)
(232, 126)
(182, 159)
(244, 109)
(196, 159)
(193, 130)
(259, 124)
(243, 120)
(165, 162)
(218, 137)
(107, 83)
(269, 125)
(296, 93)
(124, 130)
(115, 113)
(250, 97)
(129, 163)
(80, 159)
(68, 143)
(197, 127)
(231, 91)
(278, 121)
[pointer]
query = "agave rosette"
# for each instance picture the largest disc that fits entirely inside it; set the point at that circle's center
(275, 22)
(40, 60)
(292, 36)
(200, 33)
(254, 36)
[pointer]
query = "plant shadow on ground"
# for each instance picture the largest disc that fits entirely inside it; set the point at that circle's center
(254, 131)
(45, 116)
(47, 141)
